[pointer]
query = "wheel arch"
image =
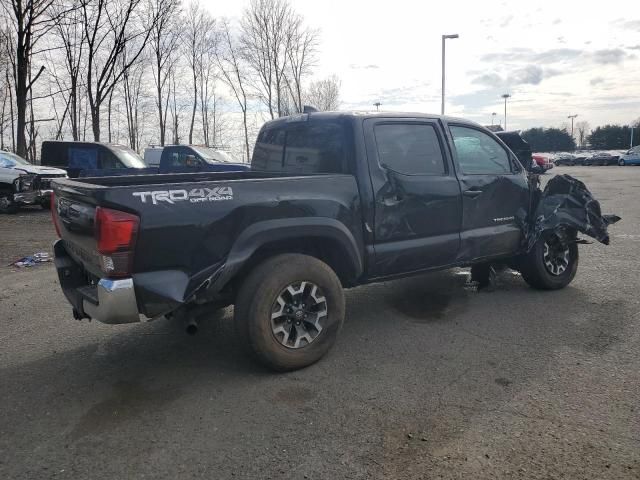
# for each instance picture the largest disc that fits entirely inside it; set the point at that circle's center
(327, 239)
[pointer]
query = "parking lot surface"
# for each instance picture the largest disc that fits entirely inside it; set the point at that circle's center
(429, 378)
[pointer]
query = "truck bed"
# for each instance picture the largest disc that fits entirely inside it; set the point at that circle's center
(190, 223)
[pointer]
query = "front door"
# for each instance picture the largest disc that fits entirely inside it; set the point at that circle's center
(495, 193)
(418, 209)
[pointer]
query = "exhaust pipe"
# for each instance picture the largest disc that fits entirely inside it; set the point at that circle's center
(192, 326)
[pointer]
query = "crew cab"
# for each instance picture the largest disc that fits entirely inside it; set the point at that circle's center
(22, 183)
(333, 200)
(91, 159)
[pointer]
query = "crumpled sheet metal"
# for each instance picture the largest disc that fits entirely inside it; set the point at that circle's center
(566, 203)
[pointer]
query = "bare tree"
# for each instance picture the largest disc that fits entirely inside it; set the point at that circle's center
(324, 94)
(583, 128)
(109, 26)
(206, 76)
(31, 22)
(302, 43)
(67, 35)
(133, 86)
(266, 26)
(175, 114)
(234, 73)
(163, 44)
(199, 25)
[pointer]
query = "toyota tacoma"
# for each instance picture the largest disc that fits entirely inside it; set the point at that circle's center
(332, 201)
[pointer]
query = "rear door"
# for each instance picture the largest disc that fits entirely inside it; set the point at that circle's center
(418, 209)
(495, 192)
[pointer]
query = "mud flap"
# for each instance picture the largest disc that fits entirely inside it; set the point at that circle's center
(565, 205)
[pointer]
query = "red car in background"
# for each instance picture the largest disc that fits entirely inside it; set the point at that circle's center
(542, 161)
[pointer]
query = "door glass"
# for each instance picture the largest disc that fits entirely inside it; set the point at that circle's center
(267, 154)
(478, 153)
(410, 149)
(84, 158)
(108, 160)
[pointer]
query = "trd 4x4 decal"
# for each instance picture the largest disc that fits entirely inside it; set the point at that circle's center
(195, 195)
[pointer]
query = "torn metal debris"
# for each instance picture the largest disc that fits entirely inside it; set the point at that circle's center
(567, 205)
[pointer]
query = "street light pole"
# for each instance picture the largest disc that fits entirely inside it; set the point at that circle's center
(572, 117)
(377, 105)
(444, 37)
(505, 96)
(493, 116)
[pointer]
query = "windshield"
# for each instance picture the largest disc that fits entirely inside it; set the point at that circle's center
(130, 158)
(9, 160)
(210, 155)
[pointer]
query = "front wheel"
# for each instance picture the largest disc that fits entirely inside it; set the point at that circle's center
(621, 162)
(549, 265)
(289, 309)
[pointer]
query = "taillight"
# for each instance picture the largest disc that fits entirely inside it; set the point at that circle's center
(54, 214)
(116, 234)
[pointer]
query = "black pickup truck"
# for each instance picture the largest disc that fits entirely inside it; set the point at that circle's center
(332, 200)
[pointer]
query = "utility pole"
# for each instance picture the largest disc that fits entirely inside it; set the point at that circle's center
(505, 96)
(572, 117)
(631, 142)
(444, 37)
(377, 105)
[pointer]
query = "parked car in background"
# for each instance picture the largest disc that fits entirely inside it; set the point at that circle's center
(22, 183)
(542, 161)
(78, 157)
(564, 159)
(601, 158)
(93, 159)
(195, 156)
(632, 157)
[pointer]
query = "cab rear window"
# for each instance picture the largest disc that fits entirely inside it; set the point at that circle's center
(301, 148)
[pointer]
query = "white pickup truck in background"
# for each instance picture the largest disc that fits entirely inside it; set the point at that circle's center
(22, 183)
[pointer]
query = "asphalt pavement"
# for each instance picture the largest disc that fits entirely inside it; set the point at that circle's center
(429, 378)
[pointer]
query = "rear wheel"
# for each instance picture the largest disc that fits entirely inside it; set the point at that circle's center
(289, 309)
(549, 265)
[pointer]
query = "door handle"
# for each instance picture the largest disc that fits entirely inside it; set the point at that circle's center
(472, 193)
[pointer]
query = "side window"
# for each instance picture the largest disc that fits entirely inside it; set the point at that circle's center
(315, 148)
(410, 149)
(84, 158)
(108, 160)
(267, 154)
(478, 153)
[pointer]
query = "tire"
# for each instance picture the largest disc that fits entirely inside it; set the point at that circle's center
(539, 276)
(268, 288)
(621, 162)
(46, 205)
(7, 205)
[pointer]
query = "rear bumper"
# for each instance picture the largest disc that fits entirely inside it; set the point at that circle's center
(108, 301)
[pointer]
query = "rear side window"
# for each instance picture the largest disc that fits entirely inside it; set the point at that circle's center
(478, 153)
(301, 148)
(410, 149)
(84, 158)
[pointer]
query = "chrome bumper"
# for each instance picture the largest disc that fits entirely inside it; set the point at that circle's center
(116, 302)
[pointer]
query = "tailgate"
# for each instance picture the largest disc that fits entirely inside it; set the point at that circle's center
(75, 214)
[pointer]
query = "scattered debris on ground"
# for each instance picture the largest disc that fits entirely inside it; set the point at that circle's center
(32, 260)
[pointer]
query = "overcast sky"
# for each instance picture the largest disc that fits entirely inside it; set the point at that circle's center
(555, 57)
